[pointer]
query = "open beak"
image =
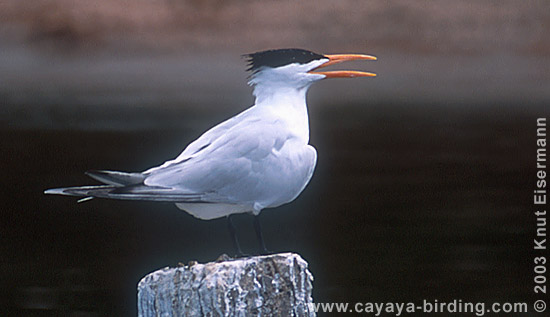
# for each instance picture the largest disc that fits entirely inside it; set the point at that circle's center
(339, 58)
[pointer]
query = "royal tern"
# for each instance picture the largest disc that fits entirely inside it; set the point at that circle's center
(260, 158)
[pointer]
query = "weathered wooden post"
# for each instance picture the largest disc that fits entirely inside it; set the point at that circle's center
(272, 285)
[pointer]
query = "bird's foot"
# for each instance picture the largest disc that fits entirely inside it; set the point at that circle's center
(241, 255)
(224, 257)
(264, 251)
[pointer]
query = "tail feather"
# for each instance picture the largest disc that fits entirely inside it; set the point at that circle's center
(130, 186)
(116, 178)
(132, 192)
(81, 190)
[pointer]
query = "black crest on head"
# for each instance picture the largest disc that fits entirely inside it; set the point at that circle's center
(280, 57)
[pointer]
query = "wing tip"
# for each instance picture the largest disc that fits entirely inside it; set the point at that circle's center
(54, 191)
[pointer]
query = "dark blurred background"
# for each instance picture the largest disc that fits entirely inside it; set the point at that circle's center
(423, 188)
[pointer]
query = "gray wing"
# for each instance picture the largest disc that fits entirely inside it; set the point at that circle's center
(204, 141)
(229, 167)
(205, 172)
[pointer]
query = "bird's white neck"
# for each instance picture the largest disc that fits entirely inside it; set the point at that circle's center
(287, 104)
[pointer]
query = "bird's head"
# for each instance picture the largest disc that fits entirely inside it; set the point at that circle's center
(297, 68)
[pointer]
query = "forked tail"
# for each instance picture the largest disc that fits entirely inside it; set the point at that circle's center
(127, 186)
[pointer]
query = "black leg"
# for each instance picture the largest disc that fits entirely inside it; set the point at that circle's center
(233, 233)
(258, 228)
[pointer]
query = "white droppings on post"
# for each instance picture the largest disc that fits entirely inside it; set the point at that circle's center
(278, 284)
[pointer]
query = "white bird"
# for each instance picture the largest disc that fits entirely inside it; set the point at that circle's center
(260, 158)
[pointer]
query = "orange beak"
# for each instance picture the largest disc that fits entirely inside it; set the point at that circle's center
(339, 58)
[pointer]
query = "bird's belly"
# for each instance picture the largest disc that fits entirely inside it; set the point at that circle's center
(209, 211)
